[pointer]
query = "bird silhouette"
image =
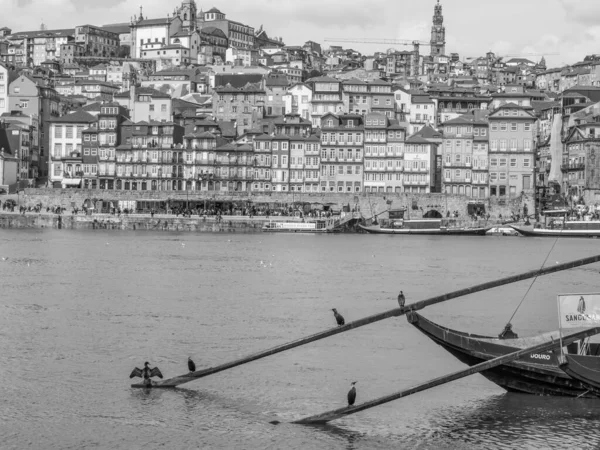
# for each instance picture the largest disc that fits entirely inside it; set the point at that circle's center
(338, 317)
(401, 299)
(352, 394)
(191, 365)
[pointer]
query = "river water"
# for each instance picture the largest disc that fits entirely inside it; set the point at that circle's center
(80, 309)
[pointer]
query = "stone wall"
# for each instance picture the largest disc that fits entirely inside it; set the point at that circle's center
(369, 204)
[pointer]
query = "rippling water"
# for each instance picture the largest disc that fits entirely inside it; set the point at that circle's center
(78, 310)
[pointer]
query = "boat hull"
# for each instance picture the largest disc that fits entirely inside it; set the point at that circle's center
(427, 231)
(584, 368)
(544, 232)
(537, 374)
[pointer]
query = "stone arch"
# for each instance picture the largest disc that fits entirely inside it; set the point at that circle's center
(433, 214)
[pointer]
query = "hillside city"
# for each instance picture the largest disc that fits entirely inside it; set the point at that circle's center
(196, 101)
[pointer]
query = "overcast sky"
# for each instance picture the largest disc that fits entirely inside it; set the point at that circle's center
(473, 27)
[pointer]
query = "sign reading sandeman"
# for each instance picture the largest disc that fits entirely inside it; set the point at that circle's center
(579, 310)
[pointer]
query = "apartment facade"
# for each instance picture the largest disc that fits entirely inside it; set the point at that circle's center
(511, 151)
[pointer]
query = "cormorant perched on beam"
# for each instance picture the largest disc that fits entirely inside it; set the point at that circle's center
(191, 365)
(401, 299)
(352, 394)
(338, 317)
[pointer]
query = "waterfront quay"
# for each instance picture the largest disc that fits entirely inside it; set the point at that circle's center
(234, 208)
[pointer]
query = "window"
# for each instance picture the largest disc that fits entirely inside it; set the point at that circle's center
(527, 127)
(69, 132)
(513, 126)
(503, 126)
(502, 162)
(494, 145)
(513, 162)
(526, 162)
(494, 126)
(151, 107)
(163, 108)
(58, 131)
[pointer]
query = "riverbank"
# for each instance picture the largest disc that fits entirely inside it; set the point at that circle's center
(164, 222)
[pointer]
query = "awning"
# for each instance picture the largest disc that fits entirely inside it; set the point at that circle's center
(71, 181)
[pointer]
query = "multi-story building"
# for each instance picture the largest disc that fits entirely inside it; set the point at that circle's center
(89, 157)
(151, 157)
(238, 34)
(422, 112)
(384, 154)
(214, 44)
(262, 164)
(511, 151)
(419, 165)
(580, 165)
(244, 106)
(464, 157)
(110, 137)
(152, 34)
(70, 51)
(66, 142)
(146, 104)
(280, 169)
(97, 41)
(327, 98)
(28, 124)
(297, 100)
(4, 80)
(342, 144)
(39, 101)
(454, 102)
(95, 89)
(382, 97)
(47, 44)
(275, 91)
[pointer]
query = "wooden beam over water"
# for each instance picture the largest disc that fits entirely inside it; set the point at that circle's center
(179, 380)
(346, 411)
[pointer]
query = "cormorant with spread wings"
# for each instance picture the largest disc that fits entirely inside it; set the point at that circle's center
(146, 373)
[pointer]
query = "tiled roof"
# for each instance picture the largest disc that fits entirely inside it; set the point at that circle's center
(79, 116)
(237, 81)
(151, 22)
(143, 91)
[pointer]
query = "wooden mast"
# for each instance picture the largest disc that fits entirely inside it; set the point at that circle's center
(176, 381)
(545, 346)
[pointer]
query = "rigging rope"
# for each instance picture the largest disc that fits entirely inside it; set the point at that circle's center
(533, 281)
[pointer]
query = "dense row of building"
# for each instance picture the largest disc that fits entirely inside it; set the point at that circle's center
(205, 103)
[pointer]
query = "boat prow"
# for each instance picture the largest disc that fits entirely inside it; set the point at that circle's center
(537, 373)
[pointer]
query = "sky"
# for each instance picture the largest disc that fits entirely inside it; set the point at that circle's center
(568, 28)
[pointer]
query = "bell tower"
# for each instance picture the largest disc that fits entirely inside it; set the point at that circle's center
(188, 15)
(438, 32)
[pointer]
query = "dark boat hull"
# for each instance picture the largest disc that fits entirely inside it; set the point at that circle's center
(426, 231)
(584, 368)
(545, 232)
(537, 374)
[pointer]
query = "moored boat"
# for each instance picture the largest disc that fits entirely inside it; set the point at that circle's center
(422, 226)
(537, 373)
(315, 226)
(557, 224)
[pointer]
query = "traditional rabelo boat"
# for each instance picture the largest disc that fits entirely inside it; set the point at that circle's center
(537, 373)
(422, 226)
(557, 224)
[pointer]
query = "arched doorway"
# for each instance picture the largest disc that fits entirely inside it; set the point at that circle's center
(432, 214)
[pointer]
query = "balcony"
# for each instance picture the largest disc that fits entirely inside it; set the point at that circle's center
(572, 166)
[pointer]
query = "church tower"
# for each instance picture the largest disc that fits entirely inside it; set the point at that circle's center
(187, 14)
(438, 32)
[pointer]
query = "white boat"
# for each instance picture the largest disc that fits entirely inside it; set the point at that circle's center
(502, 231)
(315, 226)
(557, 224)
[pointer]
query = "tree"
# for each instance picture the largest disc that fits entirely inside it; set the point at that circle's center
(124, 51)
